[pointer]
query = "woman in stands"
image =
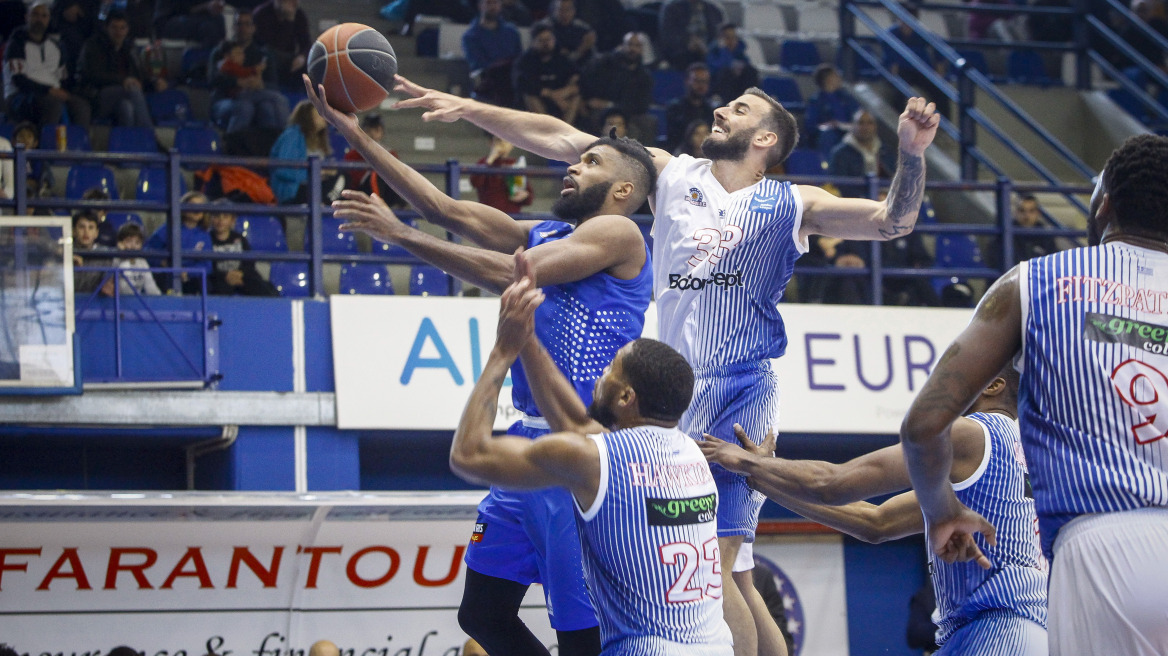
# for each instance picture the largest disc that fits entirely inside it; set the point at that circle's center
(305, 135)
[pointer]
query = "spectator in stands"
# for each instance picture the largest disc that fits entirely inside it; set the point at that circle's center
(306, 134)
(861, 153)
(575, 39)
(608, 19)
(240, 97)
(39, 176)
(234, 276)
(1140, 42)
(507, 193)
(546, 80)
(619, 80)
(7, 171)
(34, 74)
(73, 21)
(695, 105)
(491, 45)
(726, 49)
(194, 238)
(1051, 28)
(920, 632)
(695, 133)
(684, 28)
(366, 179)
(136, 280)
(106, 235)
(898, 65)
(733, 81)
(981, 24)
(830, 110)
(516, 13)
(109, 76)
(764, 582)
(1028, 214)
(831, 252)
(614, 122)
(190, 20)
(281, 26)
(84, 246)
(405, 11)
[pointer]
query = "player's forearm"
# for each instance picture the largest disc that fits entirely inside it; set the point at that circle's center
(905, 194)
(858, 519)
(430, 201)
(555, 397)
(541, 134)
(486, 269)
(810, 481)
(470, 456)
(928, 453)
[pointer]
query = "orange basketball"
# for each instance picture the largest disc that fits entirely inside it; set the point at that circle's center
(356, 65)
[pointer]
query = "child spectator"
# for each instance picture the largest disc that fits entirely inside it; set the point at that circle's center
(40, 175)
(366, 179)
(502, 192)
(194, 237)
(233, 63)
(234, 276)
(84, 244)
(137, 279)
(106, 235)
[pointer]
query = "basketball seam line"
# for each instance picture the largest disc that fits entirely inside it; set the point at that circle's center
(349, 51)
(340, 73)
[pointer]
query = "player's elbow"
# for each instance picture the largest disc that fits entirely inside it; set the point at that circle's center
(916, 430)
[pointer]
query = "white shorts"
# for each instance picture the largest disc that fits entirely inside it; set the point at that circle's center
(1109, 585)
(745, 560)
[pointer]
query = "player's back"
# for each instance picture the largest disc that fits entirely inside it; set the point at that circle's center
(1000, 492)
(650, 547)
(721, 263)
(1093, 402)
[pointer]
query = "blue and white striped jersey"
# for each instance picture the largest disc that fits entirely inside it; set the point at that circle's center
(650, 547)
(1093, 404)
(1000, 492)
(583, 324)
(721, 263)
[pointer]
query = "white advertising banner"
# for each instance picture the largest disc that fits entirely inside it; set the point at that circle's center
(410, 363)
(269, 574)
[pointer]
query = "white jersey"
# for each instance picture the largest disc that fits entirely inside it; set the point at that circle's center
(721, 263)
(650, 547)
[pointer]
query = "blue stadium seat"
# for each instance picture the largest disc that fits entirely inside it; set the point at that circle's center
(662, 127)
(799, 56)
(382, 248)
(957, 251)
(151, 184)
(426, 280)
(1026, 67)
(1129, 103)
(81, 178)
(264, 233)
(194, 59)
(785, 90)
(806, 161)
(667, 85)
(76, 138)
(927, 213)
(119, 219)
(335, 241)
(290, 278)
(197, 141)
(365, 279)
(169, 108)
(132, 140)
(338, 144)
(6, 130)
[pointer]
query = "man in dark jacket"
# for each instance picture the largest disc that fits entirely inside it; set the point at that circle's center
(281, 26)
(34, 73)
(684, 30)
(109, 75)
(619, 80)
(190, 20)
(239, 104)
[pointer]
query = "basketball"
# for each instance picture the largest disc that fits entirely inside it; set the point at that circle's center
(356, 65)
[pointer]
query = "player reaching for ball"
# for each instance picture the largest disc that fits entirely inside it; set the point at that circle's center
(598, 280)
(725, 243)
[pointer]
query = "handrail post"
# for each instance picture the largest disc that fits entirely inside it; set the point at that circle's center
(20, 163)
(174, 221)
(875, 254)
(1006, 221)
(1081, 34)
(965, 123)
(847, 29)
(316, 265)
(453, 177)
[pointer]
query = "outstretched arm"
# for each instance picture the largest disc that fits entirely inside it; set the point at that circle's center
(895, 216)
(482, 224)
(970, 363)
(896, 518)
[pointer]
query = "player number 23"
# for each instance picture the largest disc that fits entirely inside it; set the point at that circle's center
(691, 557)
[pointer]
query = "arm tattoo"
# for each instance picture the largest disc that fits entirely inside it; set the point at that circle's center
(904, 195)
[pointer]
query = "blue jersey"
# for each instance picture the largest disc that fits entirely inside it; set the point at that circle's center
(1000, 492)
(582, 324)
(1093, 404)
(721, 264)
(650, 546)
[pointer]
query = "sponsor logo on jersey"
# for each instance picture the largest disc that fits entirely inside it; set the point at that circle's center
(477, 534)
(695, 197)
(679, 512)
(761, 202)
(722, 280)
(1117, 330)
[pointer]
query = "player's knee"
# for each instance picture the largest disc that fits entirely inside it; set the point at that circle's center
(475, 619)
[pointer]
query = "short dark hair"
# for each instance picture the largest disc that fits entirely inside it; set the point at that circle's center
(638, 165)
(85, 215)
(661, 378)
(695, 67)
(1136, 180)
(371, 120)
(1013, 380)
(540, 28)
(782, 123)
(129, 230)
(613, 111)
(115, 14)
(822, 71)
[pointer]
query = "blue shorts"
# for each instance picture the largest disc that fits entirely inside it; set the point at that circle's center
(997, 633)
(531, 537)
(746, 394)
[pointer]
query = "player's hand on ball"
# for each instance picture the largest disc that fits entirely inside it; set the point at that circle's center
(918, 125)
(517, 317)
(952, 538)
(335, 117)
(441, 106)
(368, 214)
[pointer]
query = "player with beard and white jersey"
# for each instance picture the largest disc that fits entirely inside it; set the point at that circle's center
(725, 240)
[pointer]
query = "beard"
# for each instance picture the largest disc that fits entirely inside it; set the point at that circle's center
(733, 149)
(583, 204)
(602, 414)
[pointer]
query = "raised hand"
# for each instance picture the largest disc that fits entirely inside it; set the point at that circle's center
(952, 538)
(517, 317)
(335, 117)
(441, 106)
(368, 214)
(918, 125)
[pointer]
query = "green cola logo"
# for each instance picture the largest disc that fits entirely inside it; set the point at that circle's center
(678, 512)
(1117, 330)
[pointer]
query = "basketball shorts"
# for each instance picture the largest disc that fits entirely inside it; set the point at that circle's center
(746, 394)
(531, 537)
(997, 634)
(1109, 585)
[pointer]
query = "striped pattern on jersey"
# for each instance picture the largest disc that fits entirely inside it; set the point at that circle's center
(583, 324)
(721, 264)
(650, 547)
(997, 633)
(1000, 492)
(1093, 404)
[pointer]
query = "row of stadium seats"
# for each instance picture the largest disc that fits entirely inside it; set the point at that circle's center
(291, 279)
